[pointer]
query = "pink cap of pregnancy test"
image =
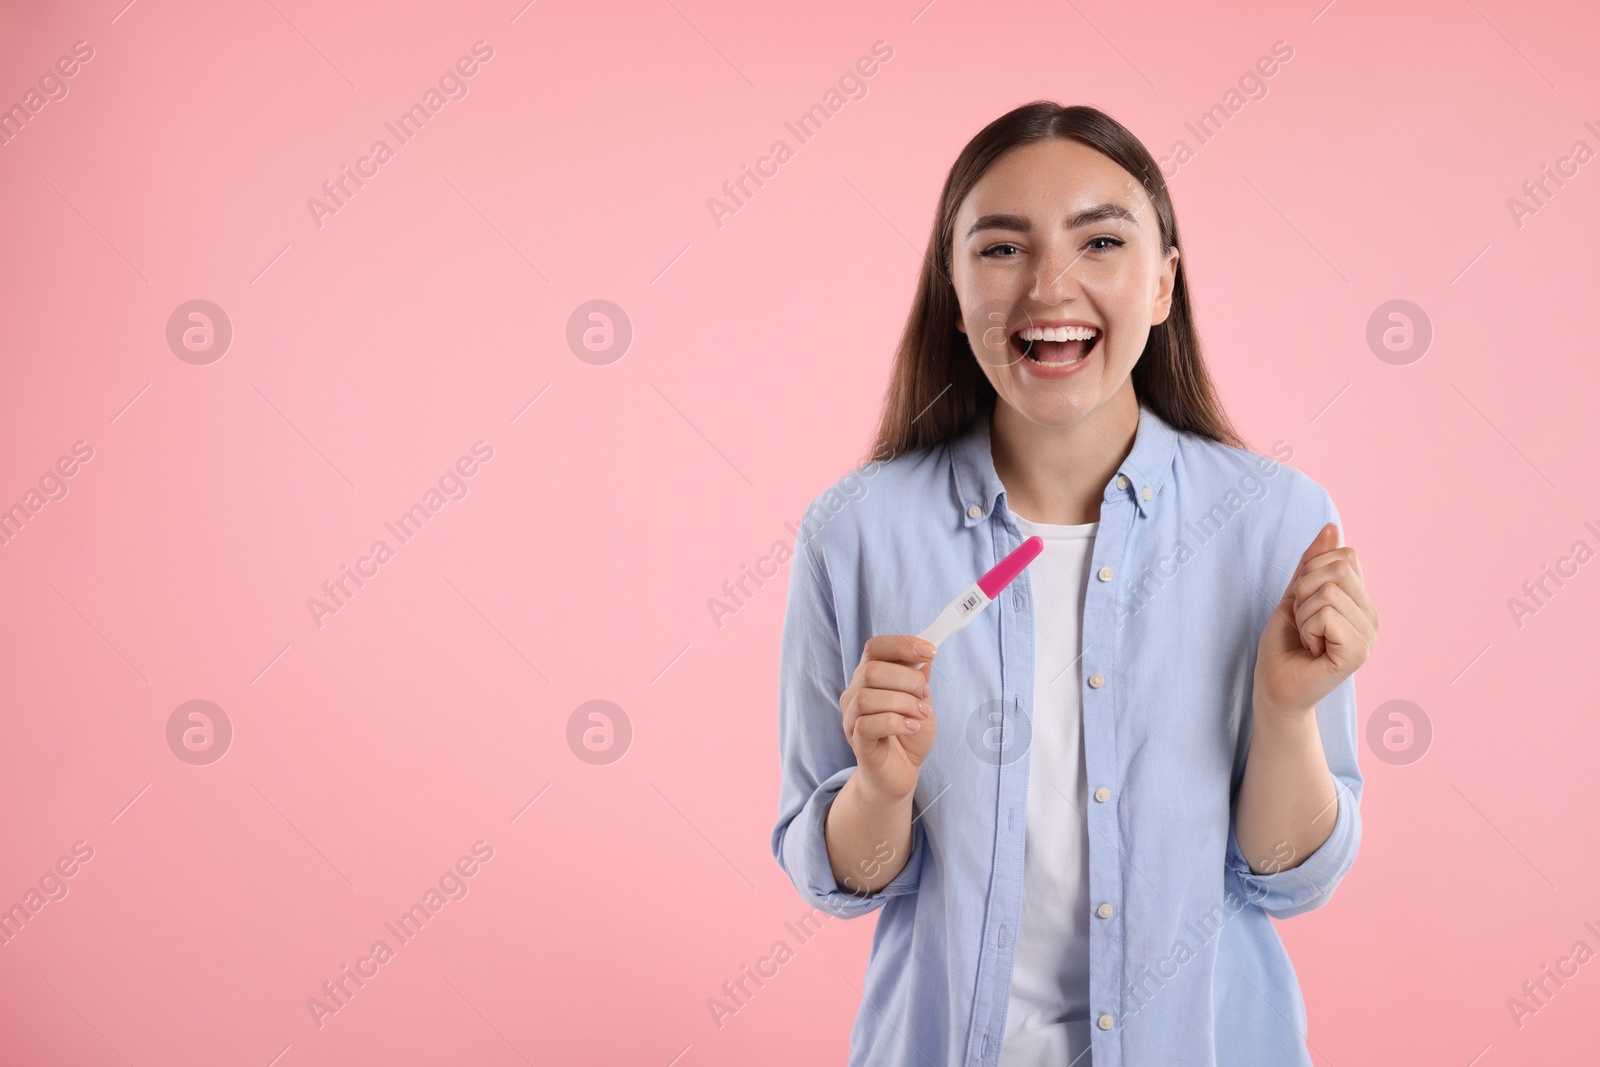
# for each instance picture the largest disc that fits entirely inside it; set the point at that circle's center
(1002, 573)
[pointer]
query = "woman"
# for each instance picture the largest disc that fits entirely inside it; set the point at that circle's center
(1079, 815)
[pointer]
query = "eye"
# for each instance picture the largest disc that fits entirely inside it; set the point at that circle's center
(992, 250)
(1115, 242)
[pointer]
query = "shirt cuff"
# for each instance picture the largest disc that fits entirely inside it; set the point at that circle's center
(1284, 894)
(803, 851)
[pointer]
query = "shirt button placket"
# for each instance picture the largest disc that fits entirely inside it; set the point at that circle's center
(1102, 794)
(1097, 680)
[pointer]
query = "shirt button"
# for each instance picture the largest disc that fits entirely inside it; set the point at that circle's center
(974, 511)
(1122, 481)
(1105, 574)
(1146, 493)
(1102, 794)
(1096, 681)
(1104, 1022)
(1104, 911)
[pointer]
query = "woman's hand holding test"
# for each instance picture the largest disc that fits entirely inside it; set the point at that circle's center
(888, 714)
(890, 724)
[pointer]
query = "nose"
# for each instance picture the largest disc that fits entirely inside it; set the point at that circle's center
(1055, 281)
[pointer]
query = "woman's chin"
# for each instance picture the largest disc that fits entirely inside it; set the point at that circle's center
(1054, 406)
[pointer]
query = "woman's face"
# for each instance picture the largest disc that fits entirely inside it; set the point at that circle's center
(1057, 264)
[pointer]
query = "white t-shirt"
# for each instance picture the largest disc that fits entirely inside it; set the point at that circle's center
(1047, 1021)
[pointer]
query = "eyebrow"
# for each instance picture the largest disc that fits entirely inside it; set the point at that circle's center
(1097, 213)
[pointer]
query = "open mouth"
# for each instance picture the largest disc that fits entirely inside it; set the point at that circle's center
(1055, 346)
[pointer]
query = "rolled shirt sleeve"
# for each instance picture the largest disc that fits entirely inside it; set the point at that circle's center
(1310, 884)
(816, 759)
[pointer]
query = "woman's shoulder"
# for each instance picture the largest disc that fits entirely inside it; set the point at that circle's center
(872, 493)
(1235, 477)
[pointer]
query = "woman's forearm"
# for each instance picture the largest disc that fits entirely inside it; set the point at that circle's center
(1288, 801)
(868, 838)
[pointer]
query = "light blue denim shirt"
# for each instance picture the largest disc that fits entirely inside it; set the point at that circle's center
(1196, 543)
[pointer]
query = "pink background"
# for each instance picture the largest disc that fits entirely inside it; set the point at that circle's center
(372, 352)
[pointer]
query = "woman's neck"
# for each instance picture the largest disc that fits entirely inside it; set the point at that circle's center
(1058, 474)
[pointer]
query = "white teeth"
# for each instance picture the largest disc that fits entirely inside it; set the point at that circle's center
(1057, 333)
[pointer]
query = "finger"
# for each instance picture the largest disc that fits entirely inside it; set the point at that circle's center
(873, 701)
(862, 701)
(881, 674)
(898, 648)
(1334, 568)
(1319, 548)
(886, 724)
(1338, 635)
(1340, 571)
(1327, 538)
(1358, 604)
(1346, 553)
(1332, 595)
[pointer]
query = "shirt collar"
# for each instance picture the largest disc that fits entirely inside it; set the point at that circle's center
(1139, 478)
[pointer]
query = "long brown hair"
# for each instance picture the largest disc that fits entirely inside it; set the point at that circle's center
(937, 391)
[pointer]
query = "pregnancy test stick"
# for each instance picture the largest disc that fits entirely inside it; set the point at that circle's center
(964, 608)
